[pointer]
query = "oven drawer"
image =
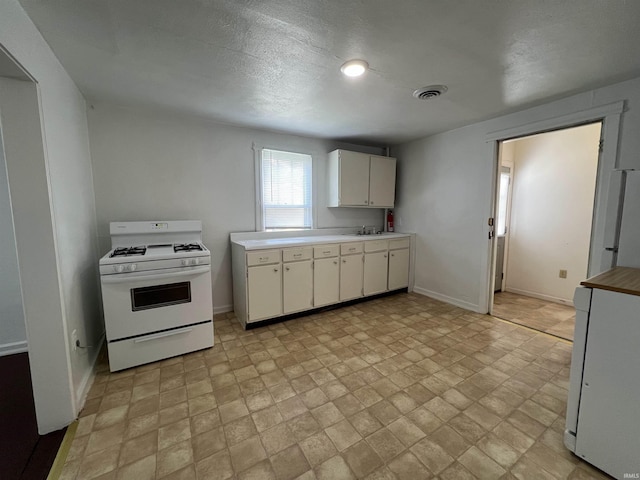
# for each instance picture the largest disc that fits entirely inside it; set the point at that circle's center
(157, 346)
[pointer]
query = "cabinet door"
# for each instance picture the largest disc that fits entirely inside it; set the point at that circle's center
(375, 273)
(382, 181)
(264, 291)
(354, 178)
(350, 277)
(398, 269)
(298, 286)
(326, 281)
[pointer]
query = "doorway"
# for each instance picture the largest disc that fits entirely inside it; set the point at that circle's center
(546, 189)
(24, 453)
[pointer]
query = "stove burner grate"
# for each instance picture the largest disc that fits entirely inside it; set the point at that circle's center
(186, 247)
(128, 251)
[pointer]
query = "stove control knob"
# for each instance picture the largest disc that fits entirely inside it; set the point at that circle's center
(185, 262)
(195, 261)
(133, 267)
(118, 268)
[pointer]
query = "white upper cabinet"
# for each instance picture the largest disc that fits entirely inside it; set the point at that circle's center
(361, 180)
(382, 181)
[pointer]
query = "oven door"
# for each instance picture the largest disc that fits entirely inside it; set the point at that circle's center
(138, 303)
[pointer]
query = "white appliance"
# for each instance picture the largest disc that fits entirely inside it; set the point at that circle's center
(603, 413)
(156, 292)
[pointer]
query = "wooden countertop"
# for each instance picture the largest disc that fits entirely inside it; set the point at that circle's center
(618, 279)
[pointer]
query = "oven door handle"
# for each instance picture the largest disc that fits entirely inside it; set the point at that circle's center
(170, 333)
(132, 277)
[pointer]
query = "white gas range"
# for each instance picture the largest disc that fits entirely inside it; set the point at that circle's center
(156, 292)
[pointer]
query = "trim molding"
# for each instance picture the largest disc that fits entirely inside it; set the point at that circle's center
(13, 348)
(541, 296)
(223, 309)
(554, 123)
(87, 380)
(445, 298)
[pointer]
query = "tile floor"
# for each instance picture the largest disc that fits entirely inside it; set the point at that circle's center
(403, 387)
(552, 318)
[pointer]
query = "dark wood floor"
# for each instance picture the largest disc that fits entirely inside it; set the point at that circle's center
(24, 455)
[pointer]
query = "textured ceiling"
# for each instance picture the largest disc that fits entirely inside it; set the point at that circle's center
(275, 63)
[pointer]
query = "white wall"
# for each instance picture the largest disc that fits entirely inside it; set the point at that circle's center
(153, 165)
(554, 184)
(13, 336)
(445, 193)
(59, 377)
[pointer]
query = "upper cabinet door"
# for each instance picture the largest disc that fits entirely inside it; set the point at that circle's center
(382, 182)
(354, 179)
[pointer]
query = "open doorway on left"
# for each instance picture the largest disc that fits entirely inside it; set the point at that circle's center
(23, 452)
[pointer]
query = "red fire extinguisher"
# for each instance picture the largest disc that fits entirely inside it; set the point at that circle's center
(390, 221)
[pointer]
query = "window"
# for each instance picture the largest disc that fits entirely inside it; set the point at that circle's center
(285, 190)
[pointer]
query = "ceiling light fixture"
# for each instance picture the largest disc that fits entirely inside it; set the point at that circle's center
(354, 68)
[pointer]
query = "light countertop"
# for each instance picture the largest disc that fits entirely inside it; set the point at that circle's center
(317, 239)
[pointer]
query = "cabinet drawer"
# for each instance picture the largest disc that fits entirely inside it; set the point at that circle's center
(349, 248)
(375, 245)
(324, 251)
(399, 243)
(294, 254)
(263, 257)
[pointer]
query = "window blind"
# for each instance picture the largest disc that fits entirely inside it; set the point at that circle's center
(286, 190)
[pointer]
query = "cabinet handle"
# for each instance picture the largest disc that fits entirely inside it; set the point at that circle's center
(286, 268)
(393, 254)
(385, 255)
(344, 261)
(275, 269)
(335, 262)
(366, 202)
(370, 203)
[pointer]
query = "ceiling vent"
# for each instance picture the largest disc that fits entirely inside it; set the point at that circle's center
(432, 91)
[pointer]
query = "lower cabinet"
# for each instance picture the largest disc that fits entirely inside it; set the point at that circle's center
(272, 282)
(326, 281)
(297, 286)
(398, 269)
(375, 272)
(264, 285)
(351, 270)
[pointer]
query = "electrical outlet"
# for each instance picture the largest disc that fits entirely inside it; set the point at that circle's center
(74, 340)
(563, 274)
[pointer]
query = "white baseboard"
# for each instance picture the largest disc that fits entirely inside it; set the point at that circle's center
(13, 348)
(541, 296)
(222, 309)
(445, 298)
(87, 380)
